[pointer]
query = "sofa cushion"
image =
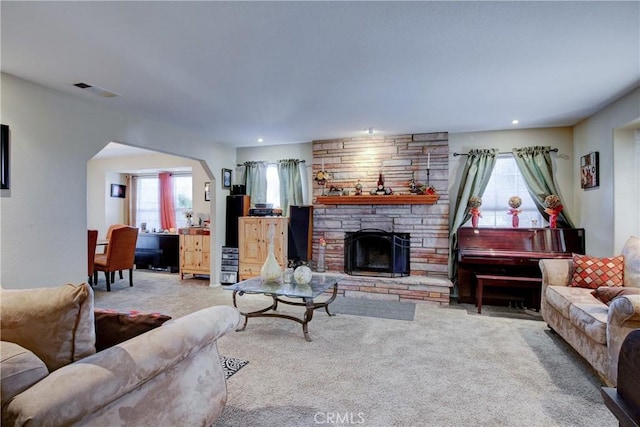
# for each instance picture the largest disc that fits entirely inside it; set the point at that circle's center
(113, 327)
(592, 272)
(631, 254)
(591, 319)
(561, 298)
(606, 294)
(19, 370)
(54, 323)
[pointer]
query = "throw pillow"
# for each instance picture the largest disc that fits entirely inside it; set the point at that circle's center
(591, 272)
(606, 294)
(631, 253)
(56, 324)
(113, 327)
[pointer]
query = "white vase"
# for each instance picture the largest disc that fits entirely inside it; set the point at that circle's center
(270, 271)
(320, 267)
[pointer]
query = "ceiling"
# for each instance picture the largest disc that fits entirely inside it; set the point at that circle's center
(292, 72)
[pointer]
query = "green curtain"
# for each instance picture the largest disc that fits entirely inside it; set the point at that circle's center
(537, 169)
(475, 176)
(255, 180)
(290, 184)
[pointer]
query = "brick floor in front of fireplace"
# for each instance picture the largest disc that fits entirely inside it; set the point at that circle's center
(418, 289)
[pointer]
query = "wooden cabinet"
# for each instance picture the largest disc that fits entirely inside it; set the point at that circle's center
(194, 252)
(253, 242)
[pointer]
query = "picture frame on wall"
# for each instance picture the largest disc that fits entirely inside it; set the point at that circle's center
(118, 190)
(226, 178)
(207, 191)
(590, 170)
(4, 157)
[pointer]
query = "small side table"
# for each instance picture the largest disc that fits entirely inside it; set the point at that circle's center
(533, 283)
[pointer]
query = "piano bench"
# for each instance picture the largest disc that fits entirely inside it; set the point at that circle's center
(533, 283)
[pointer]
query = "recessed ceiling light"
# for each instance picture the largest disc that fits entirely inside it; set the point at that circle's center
(515, 121)
(260, 140)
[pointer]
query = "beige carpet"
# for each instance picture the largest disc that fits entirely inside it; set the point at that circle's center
(448, 367)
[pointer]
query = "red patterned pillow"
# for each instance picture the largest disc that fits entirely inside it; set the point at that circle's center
(591, 272)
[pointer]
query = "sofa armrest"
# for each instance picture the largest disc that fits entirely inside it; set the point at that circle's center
(623, 317)
(75, 391)
(556, 272)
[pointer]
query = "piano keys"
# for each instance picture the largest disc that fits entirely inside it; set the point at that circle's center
(510, 252)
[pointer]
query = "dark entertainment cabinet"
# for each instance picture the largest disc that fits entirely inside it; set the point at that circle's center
(157, 251)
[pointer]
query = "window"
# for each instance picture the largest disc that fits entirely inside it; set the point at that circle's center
(148, 200)
(273, 186)
(506, 181)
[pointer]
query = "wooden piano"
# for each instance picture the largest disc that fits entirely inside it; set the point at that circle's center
(511, 252)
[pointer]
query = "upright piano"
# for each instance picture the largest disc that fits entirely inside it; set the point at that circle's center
(511, 252)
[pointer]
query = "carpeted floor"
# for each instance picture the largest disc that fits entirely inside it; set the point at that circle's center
(447, 367)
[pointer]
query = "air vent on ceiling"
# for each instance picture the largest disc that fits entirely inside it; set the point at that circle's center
(96, 90)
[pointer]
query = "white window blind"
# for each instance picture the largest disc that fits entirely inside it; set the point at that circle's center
(506, 181)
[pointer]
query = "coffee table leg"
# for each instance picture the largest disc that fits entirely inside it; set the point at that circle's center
(330, 300)
(256, 313)
(308, 315)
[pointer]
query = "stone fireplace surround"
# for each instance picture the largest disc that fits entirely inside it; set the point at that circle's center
(400, 158)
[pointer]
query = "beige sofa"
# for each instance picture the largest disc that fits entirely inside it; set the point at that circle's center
(53, 376)
(593, 328)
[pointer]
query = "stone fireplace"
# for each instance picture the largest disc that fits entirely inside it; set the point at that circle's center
(400, 159)
(377, 253)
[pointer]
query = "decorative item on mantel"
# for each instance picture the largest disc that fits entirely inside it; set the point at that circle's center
(474, 203)
(380, 189)
(335, 191)
(358, 189)
(554, 207)
(427, 189)
(421, 189)
(514, 203)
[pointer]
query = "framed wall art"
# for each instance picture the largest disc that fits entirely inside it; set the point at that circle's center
(207, 191)
(4, 157)
(118, 190)
(590, 170)
(226, 178)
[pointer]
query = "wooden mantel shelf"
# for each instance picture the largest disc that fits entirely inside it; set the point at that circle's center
(392, 199)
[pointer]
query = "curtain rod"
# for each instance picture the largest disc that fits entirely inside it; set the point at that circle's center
(242, 164)
(555, 150)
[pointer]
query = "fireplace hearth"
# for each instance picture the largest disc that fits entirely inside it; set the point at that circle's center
(373, 252)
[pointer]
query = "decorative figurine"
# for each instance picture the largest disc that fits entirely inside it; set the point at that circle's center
(380, 187)
(412, 186)
(358, 189)
(515, 202)
(554, 207)
(474, 203)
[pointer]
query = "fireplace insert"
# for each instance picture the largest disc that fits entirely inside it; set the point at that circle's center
(373, 252)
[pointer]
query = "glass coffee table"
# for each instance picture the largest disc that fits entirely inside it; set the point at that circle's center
(277, 290)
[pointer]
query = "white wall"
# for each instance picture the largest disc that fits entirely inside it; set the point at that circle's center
(43, 217)
(595, 207)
